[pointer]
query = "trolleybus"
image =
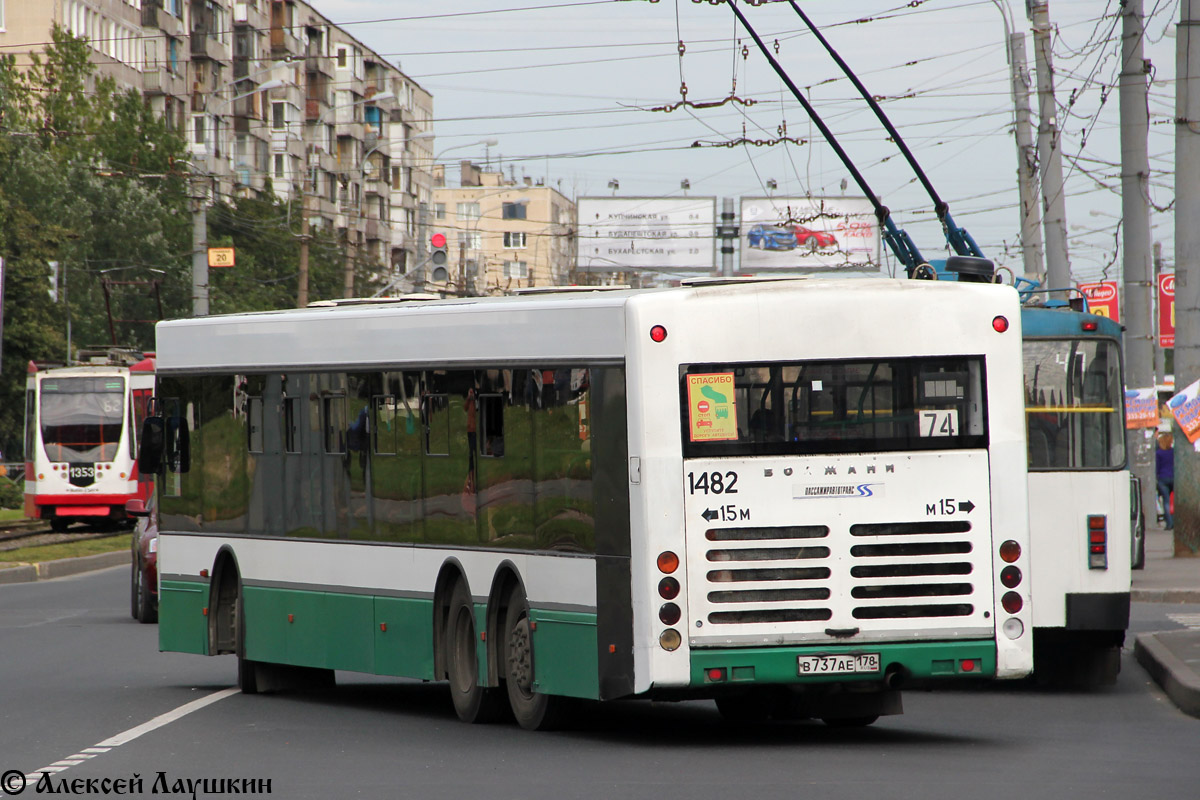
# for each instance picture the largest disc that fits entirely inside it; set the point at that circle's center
(789, 496)
(1082, 513)
(81, 425)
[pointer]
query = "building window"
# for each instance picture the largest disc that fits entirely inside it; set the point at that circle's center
(341, 57)
(516, 269)
(278, 116)
(514, 211)
(396, 179)
(439, 210)
(468, 211)
(198, 127)
(279, 165)
(514, 241)
(472, 240)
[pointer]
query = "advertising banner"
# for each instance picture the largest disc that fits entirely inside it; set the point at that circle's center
(1103, 299)
(647, 233)
(1166, 309)
(817, 234)
(1185, 407)
(1141, 408)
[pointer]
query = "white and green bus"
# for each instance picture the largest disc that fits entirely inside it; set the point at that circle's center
(791, 496)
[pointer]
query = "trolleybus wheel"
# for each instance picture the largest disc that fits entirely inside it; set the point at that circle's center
(472, 702)
(534, 711)
(60, 525)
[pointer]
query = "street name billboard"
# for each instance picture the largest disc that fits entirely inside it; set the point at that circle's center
(647, 233)
(818, 234)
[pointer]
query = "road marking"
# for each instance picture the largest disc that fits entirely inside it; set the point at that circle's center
(1186, 620)
(128, 736)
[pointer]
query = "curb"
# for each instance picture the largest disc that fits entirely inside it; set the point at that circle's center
(1180, 683)
(1165, 595)
(63, 567)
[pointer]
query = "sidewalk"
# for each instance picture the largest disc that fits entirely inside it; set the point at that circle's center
(1172, 657)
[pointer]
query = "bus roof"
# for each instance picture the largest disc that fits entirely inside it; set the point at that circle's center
(533, 330)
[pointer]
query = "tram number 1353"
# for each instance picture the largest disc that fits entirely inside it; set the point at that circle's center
(714, 482)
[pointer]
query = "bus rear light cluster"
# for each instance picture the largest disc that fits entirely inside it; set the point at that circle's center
(669, 613)
(1012, 602)
(1097, 533)
(1010, 576)
(1010, 551)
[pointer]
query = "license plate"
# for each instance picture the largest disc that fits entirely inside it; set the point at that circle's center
(848, 664)
(85, 471)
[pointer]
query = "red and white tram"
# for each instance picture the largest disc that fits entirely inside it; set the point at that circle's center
(81, 424)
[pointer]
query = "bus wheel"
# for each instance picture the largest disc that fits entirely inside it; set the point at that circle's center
(472, 702)
(60, 525)
(534, 711)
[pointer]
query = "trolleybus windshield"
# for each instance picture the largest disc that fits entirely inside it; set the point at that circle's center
(81, 418)
(827, 407)
(1074, 411)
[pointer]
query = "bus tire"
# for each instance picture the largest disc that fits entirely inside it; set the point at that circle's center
(533, 710)
(472, 702)
(59, 524)
(850, 722)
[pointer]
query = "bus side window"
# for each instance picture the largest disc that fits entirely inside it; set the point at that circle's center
(491, 425)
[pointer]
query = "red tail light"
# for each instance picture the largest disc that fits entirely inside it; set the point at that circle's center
(1097, 533)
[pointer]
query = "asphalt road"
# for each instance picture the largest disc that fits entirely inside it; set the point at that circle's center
(76, 671)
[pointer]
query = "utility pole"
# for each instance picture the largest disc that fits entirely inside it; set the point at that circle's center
(1135, 214)
(1054, 206)
(727, 233)
(305, 237)
(1187, 264)
(348, 270)
(422, 238)
(199, 183)
(1031, 231)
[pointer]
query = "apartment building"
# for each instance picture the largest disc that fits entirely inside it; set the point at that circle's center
(502, 234)
(271, 96)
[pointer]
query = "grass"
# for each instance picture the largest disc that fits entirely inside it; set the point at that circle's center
(53, 552)
(10, 514)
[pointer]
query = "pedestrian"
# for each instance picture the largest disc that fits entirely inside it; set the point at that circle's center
(1164, 469)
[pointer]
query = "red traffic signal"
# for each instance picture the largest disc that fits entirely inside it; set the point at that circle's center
(438, 240)
(438, 249)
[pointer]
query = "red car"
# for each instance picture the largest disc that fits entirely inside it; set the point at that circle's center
(143, 586)
(814, 240)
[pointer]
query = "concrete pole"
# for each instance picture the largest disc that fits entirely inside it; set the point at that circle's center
(1135, 213)
(1160, 353)
(200, 238)
(1031, 231)
(1054, 206)
(348, 269)
(727, 233)
(305, 237)
(1187, 264)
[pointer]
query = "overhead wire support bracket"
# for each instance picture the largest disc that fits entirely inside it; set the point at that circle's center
(897, 239)
(960, 240)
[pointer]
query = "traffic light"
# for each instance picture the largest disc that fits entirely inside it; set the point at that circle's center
(437, 244)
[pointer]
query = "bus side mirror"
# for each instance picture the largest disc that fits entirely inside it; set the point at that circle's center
(150, 452)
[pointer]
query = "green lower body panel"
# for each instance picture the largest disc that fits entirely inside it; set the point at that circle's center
(564, 653)
(781, 665)
(182, 624)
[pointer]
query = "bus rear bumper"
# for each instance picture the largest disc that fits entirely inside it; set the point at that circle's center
(899, 663)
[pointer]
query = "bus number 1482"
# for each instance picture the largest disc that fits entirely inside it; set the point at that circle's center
(712, 483)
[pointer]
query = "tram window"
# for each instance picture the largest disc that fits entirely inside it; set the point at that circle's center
(291, 424)
(254, 424)
(334, 415)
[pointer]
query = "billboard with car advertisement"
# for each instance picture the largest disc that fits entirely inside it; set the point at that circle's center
(819, 234)
(647, 233)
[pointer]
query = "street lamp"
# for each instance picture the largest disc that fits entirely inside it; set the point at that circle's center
(614, 184)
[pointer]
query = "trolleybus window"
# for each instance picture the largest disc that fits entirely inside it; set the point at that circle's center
(81, 418)
(820, 407)
(1074, 404)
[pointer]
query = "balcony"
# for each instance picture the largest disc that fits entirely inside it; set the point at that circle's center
(206, 46)
(161, 81)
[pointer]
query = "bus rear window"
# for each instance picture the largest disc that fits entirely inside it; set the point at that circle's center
(819, 407)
